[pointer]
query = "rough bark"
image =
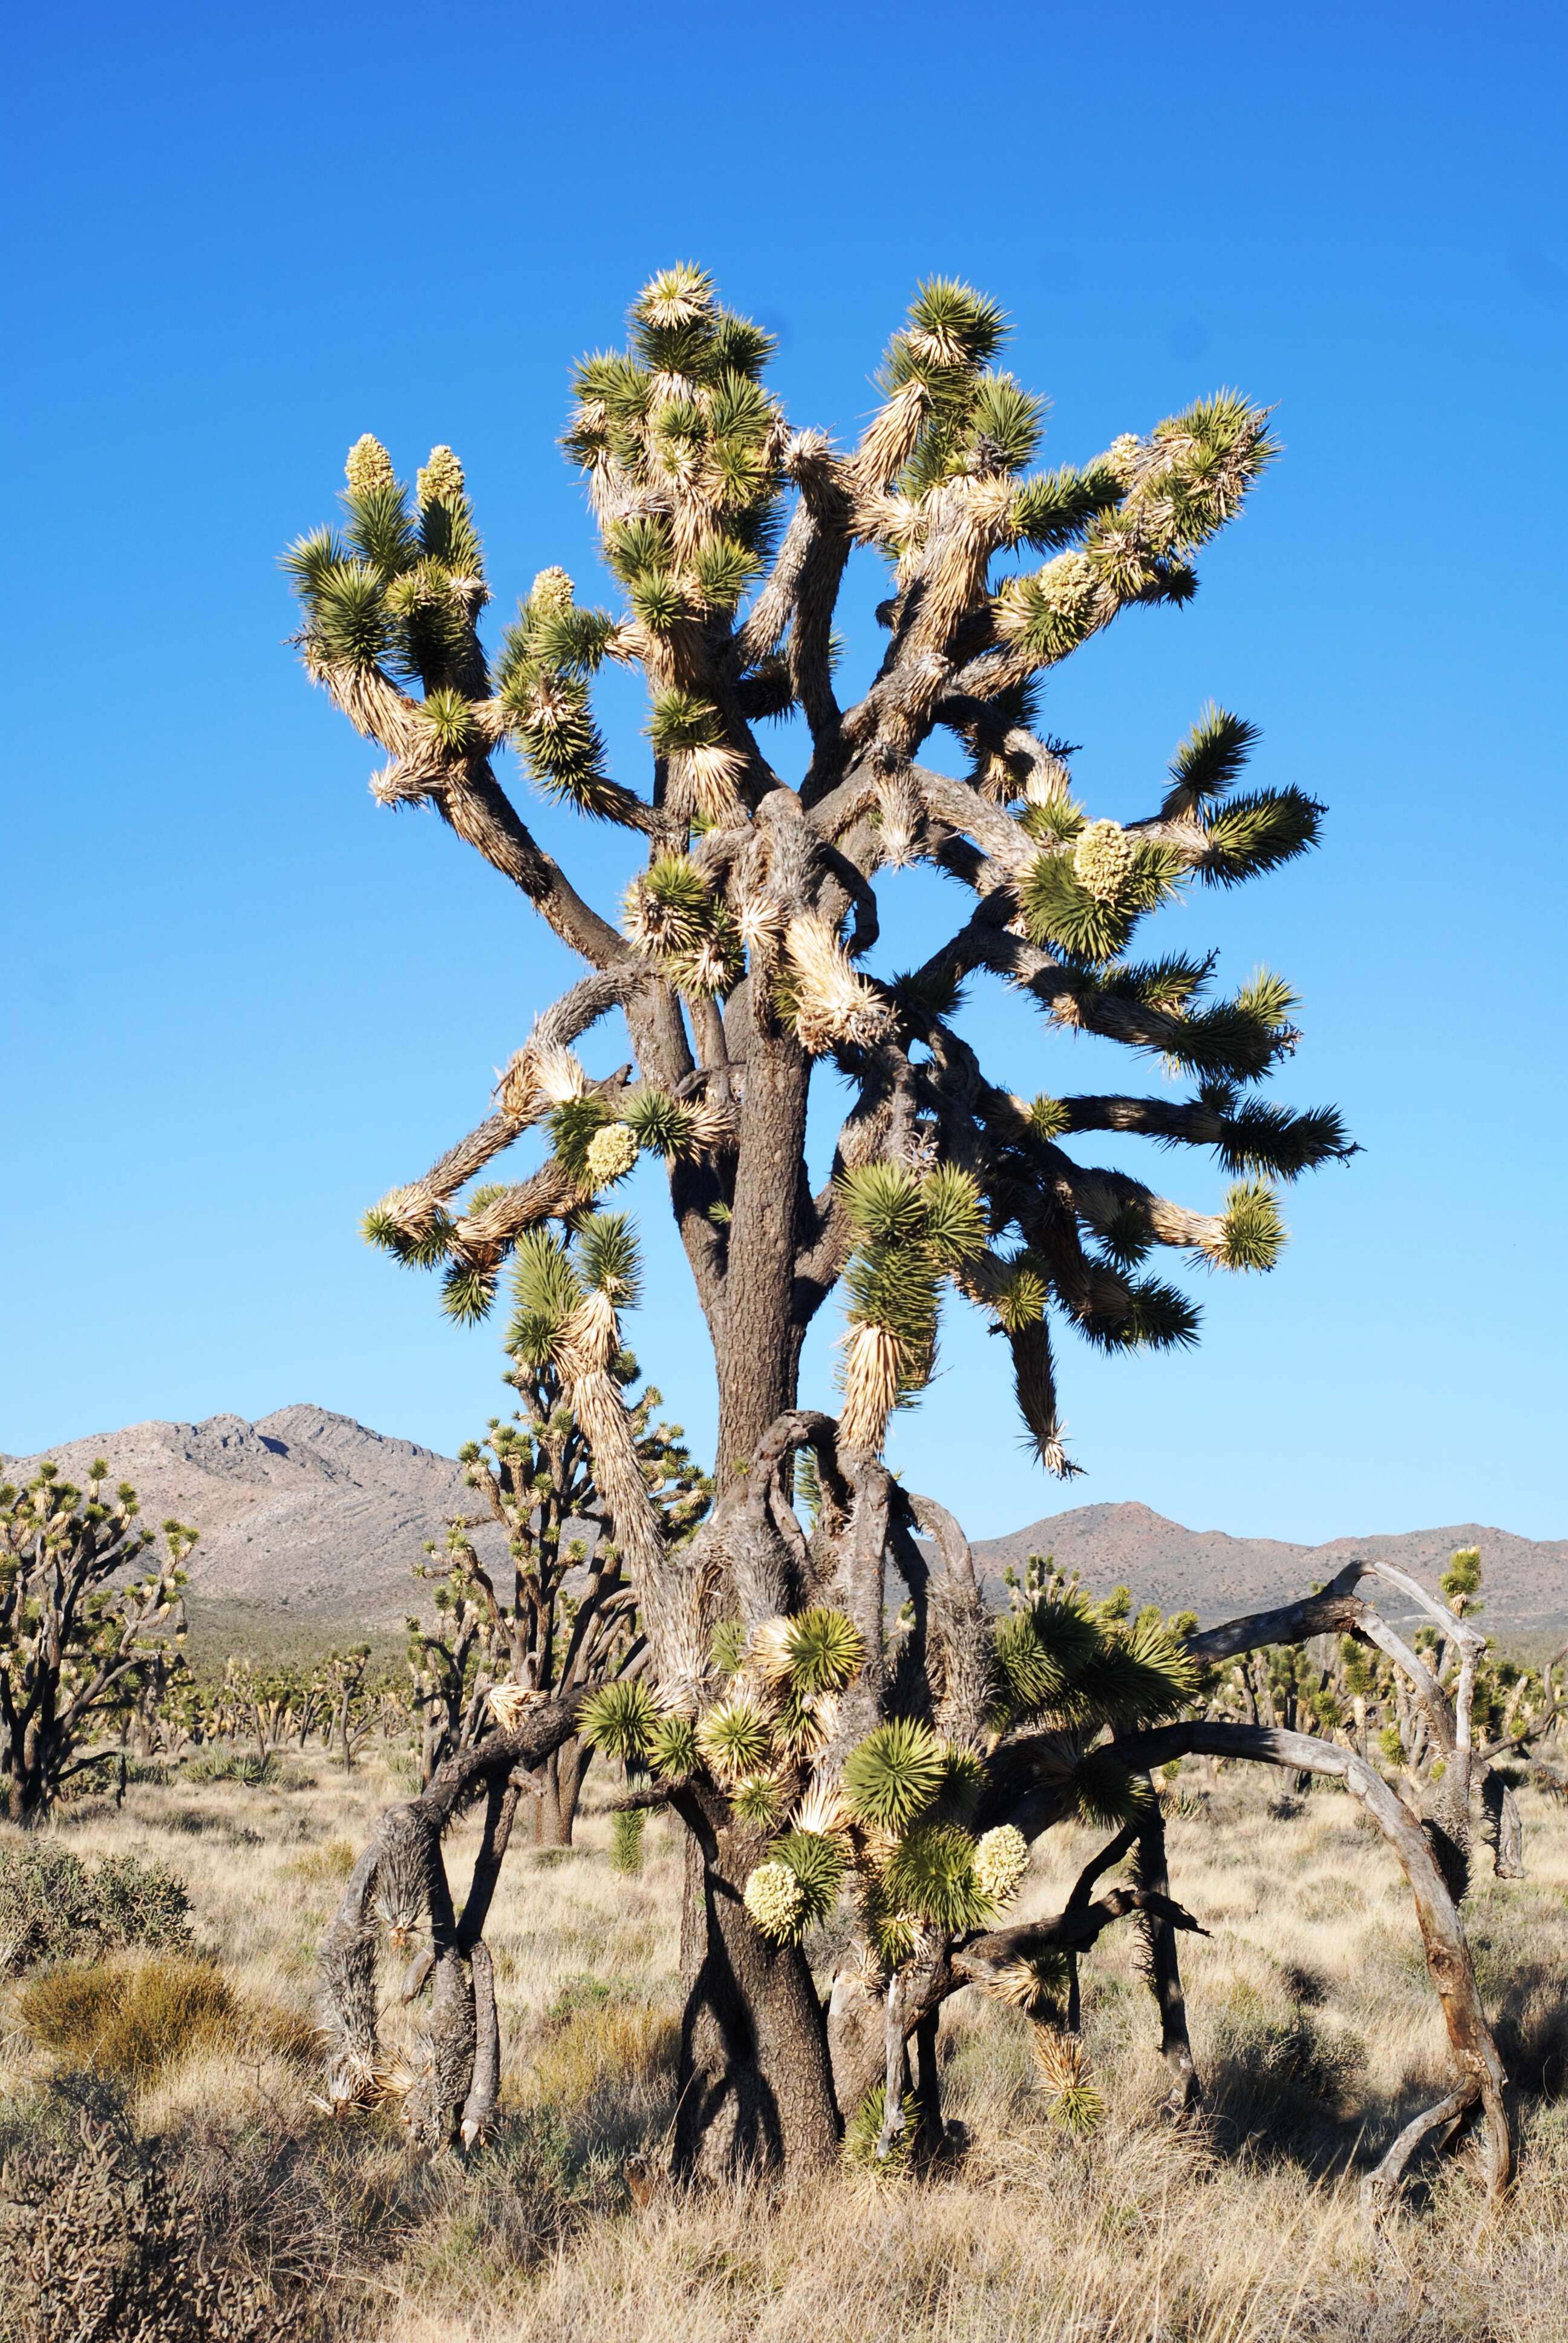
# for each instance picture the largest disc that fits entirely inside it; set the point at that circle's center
(758, 1348)
(559, 1782)
(1164, 1967)
(755, 2085)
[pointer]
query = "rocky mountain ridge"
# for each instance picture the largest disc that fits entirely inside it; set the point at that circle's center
(311, 1514)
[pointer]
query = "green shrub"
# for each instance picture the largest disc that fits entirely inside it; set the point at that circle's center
(54, 1907)
(232, 1766)
(864, 2129)
(131, 2020)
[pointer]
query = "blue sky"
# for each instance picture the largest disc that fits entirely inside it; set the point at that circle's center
(242, 1002)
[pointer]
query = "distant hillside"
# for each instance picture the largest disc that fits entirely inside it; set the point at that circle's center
(1217, 1575)
(314, 1516)
(304, 1513)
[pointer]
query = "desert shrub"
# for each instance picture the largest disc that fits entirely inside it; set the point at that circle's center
(101, 2243)
(599, 2035)
(53, 1906)
(132, 2018)
(234, 1765)
(141, 1904)
(480, 2225)
(332, 1860)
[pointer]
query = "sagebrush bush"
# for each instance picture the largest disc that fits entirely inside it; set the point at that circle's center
(133, 2017)
(53, 1906)
(101, 2243)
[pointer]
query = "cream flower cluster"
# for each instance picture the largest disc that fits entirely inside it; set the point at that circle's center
(1002, 1858)
(1102, 860)
(369, 467)
(611, 1152)
(440, 481)
(775, 1900)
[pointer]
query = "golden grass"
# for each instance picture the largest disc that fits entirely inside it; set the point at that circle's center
(1313, 2026)
(134, 2017)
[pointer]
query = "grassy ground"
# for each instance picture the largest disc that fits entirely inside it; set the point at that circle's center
(1312, 2021)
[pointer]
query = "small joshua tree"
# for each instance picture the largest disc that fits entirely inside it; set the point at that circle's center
(744, 964)
(1447, 1714)
(76, 1649)
(562, 1618)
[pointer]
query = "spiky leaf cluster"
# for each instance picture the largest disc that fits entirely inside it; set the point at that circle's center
(930, 1874)
(1090, 901)
(674, 913)
(399, 587)
(822, 1649)
(912, 1231)
(620, 1718)
(1063, 1660)
(894, 1774)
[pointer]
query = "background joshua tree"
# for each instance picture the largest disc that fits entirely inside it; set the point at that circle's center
(1405, 1709)
(75, 1650)
(741, 967)
(562, 1615)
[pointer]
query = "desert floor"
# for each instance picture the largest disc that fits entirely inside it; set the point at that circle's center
(1313, 2024)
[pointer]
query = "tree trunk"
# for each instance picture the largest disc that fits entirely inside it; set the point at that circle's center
(1164, 1971)
(755, 2087)
(1505, 1829)
(757, 1347)
(560, 1789)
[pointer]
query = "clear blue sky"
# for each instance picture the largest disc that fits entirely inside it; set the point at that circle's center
(242, 1002)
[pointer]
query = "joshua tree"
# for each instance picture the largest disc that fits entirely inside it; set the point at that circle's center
(275, 1705)
(743, 965)
(1408, 1706)
(563, 1617)
(76, 1649)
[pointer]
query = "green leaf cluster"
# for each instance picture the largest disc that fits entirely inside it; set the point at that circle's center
(620, 1718)
(912, 1231)
(1064, 1659)
(1059, 909)
(894, 1774)
(553, 1275)
(675, 913)
(397, 588)
(975, 419)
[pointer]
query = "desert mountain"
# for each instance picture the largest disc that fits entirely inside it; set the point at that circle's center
(314, 1515)
(306, 1512)
(1217, 1575)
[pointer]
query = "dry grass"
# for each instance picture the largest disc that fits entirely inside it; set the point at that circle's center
(1313, 2023)
(132, 2018)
